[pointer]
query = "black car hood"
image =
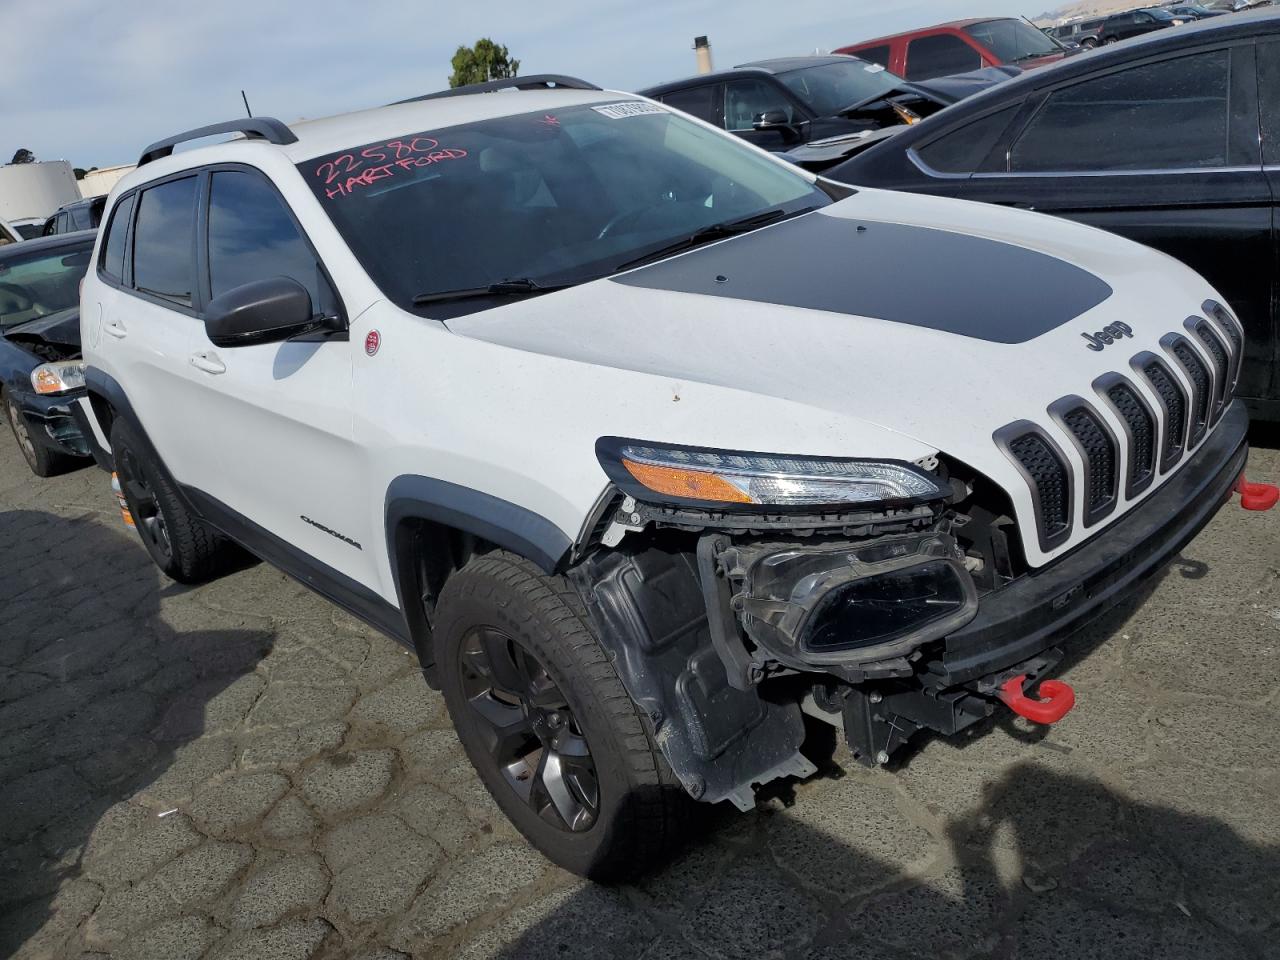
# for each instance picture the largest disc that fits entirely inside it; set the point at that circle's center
(953, 89)
(61, 328)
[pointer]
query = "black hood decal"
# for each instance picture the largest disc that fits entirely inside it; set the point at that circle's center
(970, 286)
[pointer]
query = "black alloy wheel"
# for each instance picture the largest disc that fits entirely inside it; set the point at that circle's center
(144, 504)
(531, 732)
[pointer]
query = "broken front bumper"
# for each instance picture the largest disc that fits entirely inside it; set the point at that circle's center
(725, 724)
(51, 422)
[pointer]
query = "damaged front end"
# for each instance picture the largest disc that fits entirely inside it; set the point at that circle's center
(728, 621)
(901, 602)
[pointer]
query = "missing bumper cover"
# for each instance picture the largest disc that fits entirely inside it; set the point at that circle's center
(849, 604)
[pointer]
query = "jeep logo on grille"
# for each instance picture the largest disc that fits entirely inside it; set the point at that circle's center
(1108, 335)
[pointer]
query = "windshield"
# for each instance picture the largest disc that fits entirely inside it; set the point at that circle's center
(1012, 40)
(552, 198)
(1160, 14)
(832, 87)
(42, 283)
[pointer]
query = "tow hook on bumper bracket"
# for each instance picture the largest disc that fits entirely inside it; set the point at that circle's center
(1256, 496)
(1059, 699)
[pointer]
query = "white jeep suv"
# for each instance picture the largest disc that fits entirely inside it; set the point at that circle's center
(646, 442)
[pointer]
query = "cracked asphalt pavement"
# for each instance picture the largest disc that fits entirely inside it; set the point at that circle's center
(238, 770)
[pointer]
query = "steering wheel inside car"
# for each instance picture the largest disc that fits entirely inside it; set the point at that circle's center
(618, 219)
(14, 299)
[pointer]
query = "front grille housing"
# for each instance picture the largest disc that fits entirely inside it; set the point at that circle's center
(1142, 430)
(1162, 411)
(1221, 357)
(1173, 400)
(1201, 399)
(1234, 332)
(1098, 451)
(1044, 467)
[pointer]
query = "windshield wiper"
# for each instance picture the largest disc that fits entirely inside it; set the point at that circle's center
(517, 287)
(717, 231)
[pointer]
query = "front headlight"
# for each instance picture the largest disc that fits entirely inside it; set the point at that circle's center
(725, 478)
(51, 378)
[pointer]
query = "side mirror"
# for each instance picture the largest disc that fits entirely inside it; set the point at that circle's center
(775, 120)
(264, 311)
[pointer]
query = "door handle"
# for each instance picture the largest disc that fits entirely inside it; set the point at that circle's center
(208, 362)
(116, 329)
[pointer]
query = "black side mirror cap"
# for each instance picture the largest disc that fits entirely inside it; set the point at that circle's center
(264, 311)
(777, 121)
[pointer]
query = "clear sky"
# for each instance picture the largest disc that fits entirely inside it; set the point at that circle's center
(94, 81)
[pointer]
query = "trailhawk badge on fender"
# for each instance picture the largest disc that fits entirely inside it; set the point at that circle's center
(374, 340)
(1108, 335)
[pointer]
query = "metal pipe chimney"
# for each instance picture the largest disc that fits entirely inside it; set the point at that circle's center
(702, 49)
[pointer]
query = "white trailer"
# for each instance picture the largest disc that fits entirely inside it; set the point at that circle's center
(29, 190)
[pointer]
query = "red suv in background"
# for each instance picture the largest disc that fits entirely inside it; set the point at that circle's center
(959, 47)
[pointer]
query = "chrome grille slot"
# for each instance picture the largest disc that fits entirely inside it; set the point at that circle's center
(1235, 334)
(1044, 468)
(1140, 425)
(1173, 402)
(1221, 367)
(1099, 453)
(1201, 385)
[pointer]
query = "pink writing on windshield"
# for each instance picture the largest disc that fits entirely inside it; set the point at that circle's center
(347, 173)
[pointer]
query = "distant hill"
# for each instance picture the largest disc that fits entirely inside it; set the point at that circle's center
(1082, 8)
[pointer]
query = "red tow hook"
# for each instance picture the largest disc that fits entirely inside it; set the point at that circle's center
(1256, 496)
(1060, 699)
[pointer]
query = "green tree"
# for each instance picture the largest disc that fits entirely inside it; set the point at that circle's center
(485, 61)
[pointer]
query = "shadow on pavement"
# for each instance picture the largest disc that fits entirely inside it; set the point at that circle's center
(100, 701)
(1047, 864)
(1038, 859)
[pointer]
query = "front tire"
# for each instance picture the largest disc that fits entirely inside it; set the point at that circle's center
(548, 725)
(42, 461)
(183, 546)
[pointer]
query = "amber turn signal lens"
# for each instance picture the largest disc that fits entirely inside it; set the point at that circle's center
(687, 484)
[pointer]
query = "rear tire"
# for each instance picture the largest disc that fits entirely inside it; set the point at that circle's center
(547, 724)
(183, 546)
(42, 461)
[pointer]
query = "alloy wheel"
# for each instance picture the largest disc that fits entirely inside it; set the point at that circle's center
(144, 504)
(529, 729)
(20, 432)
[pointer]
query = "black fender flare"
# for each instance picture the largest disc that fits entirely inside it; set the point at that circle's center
(412, 497)
(104, 388)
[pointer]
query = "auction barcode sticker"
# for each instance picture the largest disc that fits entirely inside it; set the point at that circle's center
(630, 108)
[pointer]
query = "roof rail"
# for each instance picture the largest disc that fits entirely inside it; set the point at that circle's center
(536, 81)
(258, 128)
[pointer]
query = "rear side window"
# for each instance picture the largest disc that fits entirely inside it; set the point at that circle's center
(878, 54)
(1269, 92)
(698, 102)
(1171, 115)
(253, 237)
(963, 150)
(164, 241)
(117, 232)
(940, 56)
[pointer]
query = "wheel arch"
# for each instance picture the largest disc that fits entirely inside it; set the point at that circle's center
(433, 527)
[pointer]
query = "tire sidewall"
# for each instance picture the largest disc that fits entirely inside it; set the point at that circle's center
(123, 443)
(468, 604)
(37, 458)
